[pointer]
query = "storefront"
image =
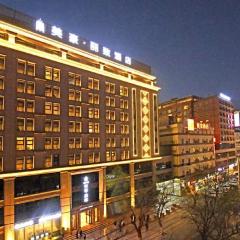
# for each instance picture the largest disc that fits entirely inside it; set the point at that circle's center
(38, 220)
(85, 216)
(43, 228)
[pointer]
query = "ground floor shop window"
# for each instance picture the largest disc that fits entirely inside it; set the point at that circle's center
(118, 207)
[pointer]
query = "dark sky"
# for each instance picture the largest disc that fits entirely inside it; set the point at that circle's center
(193, 46)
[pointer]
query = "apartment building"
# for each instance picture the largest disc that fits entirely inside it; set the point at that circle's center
(192, 146)
(78, 130)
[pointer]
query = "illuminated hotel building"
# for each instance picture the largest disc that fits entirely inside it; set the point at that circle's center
(78, 129)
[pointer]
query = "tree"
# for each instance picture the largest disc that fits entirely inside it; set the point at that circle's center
(214, 211)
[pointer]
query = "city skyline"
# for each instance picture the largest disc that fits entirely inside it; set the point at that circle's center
(201, 60)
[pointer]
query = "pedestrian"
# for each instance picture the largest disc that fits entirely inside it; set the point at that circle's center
(81, 233)
(77, 234)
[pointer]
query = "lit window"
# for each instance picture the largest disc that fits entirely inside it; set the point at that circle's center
(71, 126)
(1, 122)
(20, 124)
(1, 102)
(29, 143)
(56, 108)
(29, 160)
(123, 91)
(48, 108)
(48, 91)
(48, 125)
(48, 143)
(20, 164)
(20, 143)
(93, 83)
(78, 111)
(56, 92)
(48, 161)
(71, 78)
(93, 127)
(30, 87)
(56, 126)
(71, 159)
(2, 62)
(78, 126)
(20, 105)
(21, 67)
(71, 110)
(1, 164)
(56, 143)
(1, 143)
(1, 83)
(30, 69)
(56, 74)
(78, 143)
(71, 143)
(78, 158)
(48, 73)
(29, 124)
(78, 96)
(71, 94)
(30, 106)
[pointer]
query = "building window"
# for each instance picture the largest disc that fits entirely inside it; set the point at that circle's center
(78, 127)
(93, 142)
(93, 83)
(56, 143)
(123, 104)
(123, 91)
(2, 62)
(94, 157)
(24, 163)
(123, 116)
(74, 79)
(110, 101)
(30, 106)
(29, 160)
(110, 128)
(1, 123)
(20, 165)
(29, 143)
(93, 127)
(93, 98)
(25, 67)
(93, 113)
(111, 156)
(110, 115)
(48, 161)
(20, 143)
(75, 159)
(1, 83)
(1, 103)
(52, 74)
(110, 142)
(1, 143)
(1, 164)
(30, 87)
(110, 87)
(48, 143)
(56, 126)
(56, 108)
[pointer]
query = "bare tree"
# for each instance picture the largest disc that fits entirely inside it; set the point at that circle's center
(214, 212)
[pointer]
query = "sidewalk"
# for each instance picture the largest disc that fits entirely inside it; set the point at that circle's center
(107, 230)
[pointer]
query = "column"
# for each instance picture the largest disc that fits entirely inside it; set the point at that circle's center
(9, 209)
(102, 194)
(154, 173)
(65, 199)
(132, 184)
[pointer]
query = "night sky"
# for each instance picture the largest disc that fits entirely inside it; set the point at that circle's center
(193, 46)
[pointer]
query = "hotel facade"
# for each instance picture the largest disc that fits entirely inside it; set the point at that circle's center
(78, 130)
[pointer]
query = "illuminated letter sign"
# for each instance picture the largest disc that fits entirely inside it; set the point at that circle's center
(56, 31)
(85, 189)
(128, 60)
(106, 51)
(94, 46)
(118, 56)
(40, 26)
(224, 97)
(73, 38)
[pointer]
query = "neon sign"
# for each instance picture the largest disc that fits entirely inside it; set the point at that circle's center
(85, 189)
(74, 39)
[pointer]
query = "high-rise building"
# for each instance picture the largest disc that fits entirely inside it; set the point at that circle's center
(216, 111)
(219, 111)
(78, 129)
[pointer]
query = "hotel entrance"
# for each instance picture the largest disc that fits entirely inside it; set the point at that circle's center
(83, 218)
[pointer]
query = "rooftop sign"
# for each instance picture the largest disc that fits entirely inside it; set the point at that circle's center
(224, 97)
(40, 26)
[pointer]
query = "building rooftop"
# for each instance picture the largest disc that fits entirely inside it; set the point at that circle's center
(39, 26)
